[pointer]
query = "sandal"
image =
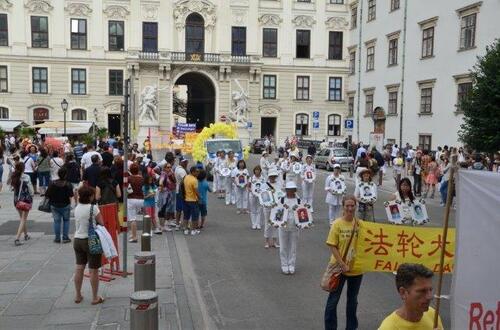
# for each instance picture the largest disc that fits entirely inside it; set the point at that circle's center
(18, 242)
(27, 237)
(77, 301)
(266, 246)
(132, 240)
(99, 301)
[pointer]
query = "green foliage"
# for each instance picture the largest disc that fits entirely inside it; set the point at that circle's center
(2, 133)
(481, 127)
(89, 139)
(27, 132)
(102, 132)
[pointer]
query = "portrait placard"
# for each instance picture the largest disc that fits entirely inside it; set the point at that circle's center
(303, 217)
(367, 191)
(277, 217)
(266, 198)
(309, 176)
(338, 186)
(418, 212)
(394, 212)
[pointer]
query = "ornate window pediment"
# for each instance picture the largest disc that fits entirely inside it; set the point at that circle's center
(78, 9)
(270, 19)
(269, 109)
(5, 4)
(38, 6)
(116, 12)
(338, 23)
(304, 21)
(203, 7)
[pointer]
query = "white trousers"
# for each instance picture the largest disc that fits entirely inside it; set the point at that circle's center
(307, 193)
(256, 211)
(333, 212)
(288, 247)
(218, 182)
(241, 198)
(230, 193)
(269, 230)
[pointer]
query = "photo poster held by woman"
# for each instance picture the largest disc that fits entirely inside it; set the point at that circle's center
(240, 179)
(228, 172)
(256, 185)
(366, 195)
(268, 201)
(308, 177)
(335, 189)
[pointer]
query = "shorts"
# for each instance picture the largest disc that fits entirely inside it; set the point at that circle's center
(179, 203)
(43, 179)
(172, 204)
(150, 210)
(32, 176)
(134, 206)
(83, 256)
(203, 209)
(191, 211)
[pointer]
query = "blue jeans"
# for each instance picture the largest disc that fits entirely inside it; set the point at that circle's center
(44, 179)
(444, 191)
(353, 285)
(61, 214)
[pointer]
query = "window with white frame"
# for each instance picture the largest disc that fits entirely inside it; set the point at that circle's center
(392, 107)
(4, 113)
(350, 105)
(352, 62)
(40, 80)
(116, 35)
(425, 141)
(468, 31)
(428, 42)
(370, 57)
(354, 17)
(369, 101)
(78, 81)
(302, 88)
(302, 124)
(78, 33)
(372, 10)
(303, 44)
(335, 89)
(393, 52)
(426, 100)
(269, 87)
(270, 42)
(334, 124)
(78, 114)
(463, 92)
(394, 5)
(335, 45)
(4, 79)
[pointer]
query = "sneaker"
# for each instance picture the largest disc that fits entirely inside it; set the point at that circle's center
(186, 232)
(277, 245)
(167, 228)
(195, 232)
(57, 241)
(441, 204)
(258, 228)
(238, 212)
(158, 231)
(18, 242)
(284, 270)
(291, 270)
(66, 240)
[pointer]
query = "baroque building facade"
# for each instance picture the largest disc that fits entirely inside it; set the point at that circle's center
(288, 56)
(409, 66)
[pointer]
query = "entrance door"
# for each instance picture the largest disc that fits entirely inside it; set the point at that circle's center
(114, 125)
(267, 126)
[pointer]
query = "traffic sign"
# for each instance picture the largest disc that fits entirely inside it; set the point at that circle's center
(316, 124)
(316, 114)
(249, 124)
(223, 118)
(349, 124)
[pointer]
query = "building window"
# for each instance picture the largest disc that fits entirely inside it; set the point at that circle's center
(4, 30)
(372, 10)
(335, 45)
(336, 2)
(40, 80)
(394, 4)
(78, 33)
(354, 17)
(303, 0)
(393, 103)
(78, 81)
(239, 41)
(195, 35)
(368, 104)
(269, 91)
(425, 141)
(428, 42)
(468, 32)
(39, 32)
(303, 44)
(78, 114)
(4, 81)
(335, 89)
(4, 113)
(350, 106)
(370, 58)
(334, 125)
(270, 42)
(393, 51)
(115, 82)
(464, 90)
(426, 100)
(302, 88)
(352, 62)
(116, 35)
(150, 37)
(301, 124)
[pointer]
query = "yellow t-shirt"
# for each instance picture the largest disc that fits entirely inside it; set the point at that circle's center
(191, 188)
(395, 322)
(339, 235)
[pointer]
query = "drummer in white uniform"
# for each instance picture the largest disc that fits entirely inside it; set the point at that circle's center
(308, 176)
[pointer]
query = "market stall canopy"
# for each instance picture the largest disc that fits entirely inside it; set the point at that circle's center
(57, 127)
(9, 126)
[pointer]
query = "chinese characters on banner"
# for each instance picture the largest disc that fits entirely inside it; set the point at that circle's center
(383, 247)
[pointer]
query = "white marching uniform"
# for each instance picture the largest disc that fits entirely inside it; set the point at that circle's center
(308, 187)
(288, 237)
(287, 167)
(241, 192)
(229, 182)
(256, 210)
(269, 230)
(219, 183)
(334, 201)
(264, 164)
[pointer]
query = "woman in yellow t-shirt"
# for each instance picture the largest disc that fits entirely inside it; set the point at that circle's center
(338, 241)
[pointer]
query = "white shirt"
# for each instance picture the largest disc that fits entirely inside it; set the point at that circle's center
(290, 214)
(29, 164)
(86, 158)
(180, 173)
(394, 152)
(411, 154)
(82, 215)
(331, 198)
(55, 165)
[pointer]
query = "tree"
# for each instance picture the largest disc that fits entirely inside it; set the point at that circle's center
(481, 127)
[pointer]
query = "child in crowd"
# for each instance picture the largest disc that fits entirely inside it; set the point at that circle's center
(149, 189)
(203, 189)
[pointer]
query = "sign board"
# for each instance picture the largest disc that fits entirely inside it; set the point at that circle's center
(316, 124)
(223, 118)
(185, 127)
(377, 141)
(316, 115)
(349, 124)
(249, 124)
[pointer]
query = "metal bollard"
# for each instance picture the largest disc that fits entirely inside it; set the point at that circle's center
(146, 242)
(146, 224)
(144, 310)
(144, 271)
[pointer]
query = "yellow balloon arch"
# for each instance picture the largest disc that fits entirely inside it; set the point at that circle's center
(229, 131)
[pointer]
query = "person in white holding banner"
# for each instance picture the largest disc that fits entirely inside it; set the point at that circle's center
(308, 177)
(335, 191)
(257, 184)
(414, 285)
(271, 233)
(290, 234)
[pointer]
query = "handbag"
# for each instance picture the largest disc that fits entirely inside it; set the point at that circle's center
(331, 277)
(44, 206)
(93, 240)
(24, 200)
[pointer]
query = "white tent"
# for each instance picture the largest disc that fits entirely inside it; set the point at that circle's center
(72, 128)
(9, 126)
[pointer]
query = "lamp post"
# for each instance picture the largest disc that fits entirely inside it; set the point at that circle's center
(95, 126)
(64, 107)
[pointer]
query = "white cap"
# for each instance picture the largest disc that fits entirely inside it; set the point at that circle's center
(309, 156)
(272, 172)
(291, 185)
(336, 165)
(264, 153)
(294, 154)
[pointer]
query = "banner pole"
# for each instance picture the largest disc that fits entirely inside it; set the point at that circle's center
(449, 199)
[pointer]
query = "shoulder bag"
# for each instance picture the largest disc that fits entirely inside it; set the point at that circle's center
(331, 277)
(93, 240)
(24, 199)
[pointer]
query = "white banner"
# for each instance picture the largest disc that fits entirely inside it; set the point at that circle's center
(476, 279)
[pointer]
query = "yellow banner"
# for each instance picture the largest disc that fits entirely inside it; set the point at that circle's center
(383, 247)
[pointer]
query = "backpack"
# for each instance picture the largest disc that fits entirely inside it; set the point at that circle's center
(108, 193)
(374, 165)
(182, 189)
(73, 172)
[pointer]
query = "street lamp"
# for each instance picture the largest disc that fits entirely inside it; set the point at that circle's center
(95, 126)
(64, 107)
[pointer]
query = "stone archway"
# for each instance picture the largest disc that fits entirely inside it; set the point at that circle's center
(194, 99)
